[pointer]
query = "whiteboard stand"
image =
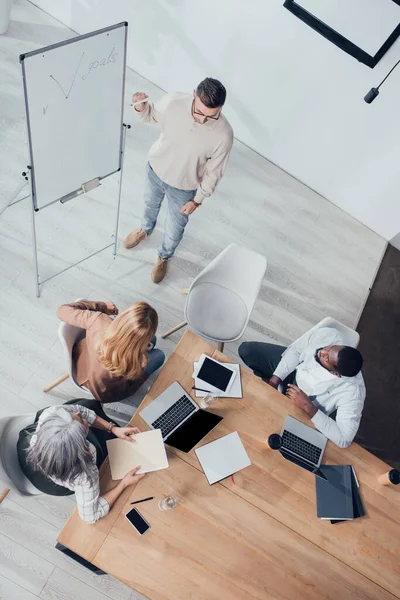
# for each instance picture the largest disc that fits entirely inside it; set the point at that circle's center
(113, 244)
(70, 88)
(125, 127)
(13, 199)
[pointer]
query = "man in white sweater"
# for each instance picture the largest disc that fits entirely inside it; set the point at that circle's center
(320, 375)
(185, 163)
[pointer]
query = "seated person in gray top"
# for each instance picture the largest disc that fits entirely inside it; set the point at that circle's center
(320, 375)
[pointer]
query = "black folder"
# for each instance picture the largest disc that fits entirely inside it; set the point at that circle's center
(335, 495)
(358, 506)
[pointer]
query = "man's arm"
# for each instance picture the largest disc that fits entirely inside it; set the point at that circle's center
(291, 358)
(149, 112)
(215, 168)
(342, 431)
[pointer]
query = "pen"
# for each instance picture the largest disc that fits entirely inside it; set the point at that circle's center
(201, 390)
(144, 500)
(140, 101)
(355, 477)
(233, 481)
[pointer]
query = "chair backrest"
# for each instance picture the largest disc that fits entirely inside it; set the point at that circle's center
(238, 269)
(69, 335)
(11, 474)
(350, 336)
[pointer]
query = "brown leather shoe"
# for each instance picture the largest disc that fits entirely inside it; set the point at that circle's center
(159, 269)
(134, 238)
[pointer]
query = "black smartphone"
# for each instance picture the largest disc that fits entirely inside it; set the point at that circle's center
(135, 518)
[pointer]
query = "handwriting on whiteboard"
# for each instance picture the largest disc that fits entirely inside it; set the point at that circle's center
(103, 62)
(66, 95)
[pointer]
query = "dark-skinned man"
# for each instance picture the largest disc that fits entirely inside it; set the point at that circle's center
(320, 375)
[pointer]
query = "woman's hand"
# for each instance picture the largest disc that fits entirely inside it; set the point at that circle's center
(111, 308)
(125, 433)
(131, 477)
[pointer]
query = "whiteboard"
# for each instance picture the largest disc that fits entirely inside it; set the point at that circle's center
(74, 93)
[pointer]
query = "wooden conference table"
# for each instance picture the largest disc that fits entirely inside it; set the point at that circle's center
(258, 537)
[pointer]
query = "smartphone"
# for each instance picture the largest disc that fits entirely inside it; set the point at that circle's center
(135, 518)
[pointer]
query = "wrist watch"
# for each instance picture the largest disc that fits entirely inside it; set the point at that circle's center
(110, 426)
(196, 203)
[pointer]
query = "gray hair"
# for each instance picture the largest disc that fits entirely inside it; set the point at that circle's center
(61, 449)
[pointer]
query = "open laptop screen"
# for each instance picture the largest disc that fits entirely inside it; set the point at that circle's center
(193, 430)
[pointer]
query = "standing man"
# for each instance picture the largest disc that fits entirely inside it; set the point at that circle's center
(185, 163)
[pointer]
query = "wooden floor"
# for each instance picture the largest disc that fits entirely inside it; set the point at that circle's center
(320, 262)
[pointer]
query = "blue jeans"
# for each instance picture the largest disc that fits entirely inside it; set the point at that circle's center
(156, 358)
(175, 222)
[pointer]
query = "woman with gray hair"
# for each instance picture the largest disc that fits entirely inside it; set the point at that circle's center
(62, 450)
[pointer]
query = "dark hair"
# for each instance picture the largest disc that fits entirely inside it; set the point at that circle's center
(211, 92)
(350, 361)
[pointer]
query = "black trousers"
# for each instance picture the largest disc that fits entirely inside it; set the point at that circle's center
(95, 436)
(263, 359)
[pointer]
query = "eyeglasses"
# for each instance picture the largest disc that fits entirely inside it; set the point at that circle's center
(200, 114)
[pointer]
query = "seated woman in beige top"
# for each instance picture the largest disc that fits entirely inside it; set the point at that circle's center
(117, 355)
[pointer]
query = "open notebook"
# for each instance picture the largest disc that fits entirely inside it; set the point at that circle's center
(147, 450)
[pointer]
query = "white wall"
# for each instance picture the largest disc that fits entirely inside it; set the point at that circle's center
(292, 95)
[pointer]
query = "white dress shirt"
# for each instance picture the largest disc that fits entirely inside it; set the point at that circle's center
(91, 506)
(327, 392)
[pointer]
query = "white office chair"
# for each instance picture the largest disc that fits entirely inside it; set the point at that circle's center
(11, 474)
(221, 298)
(69, 336)
(350, 336)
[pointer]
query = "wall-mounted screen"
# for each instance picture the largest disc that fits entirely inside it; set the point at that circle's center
(364, 29)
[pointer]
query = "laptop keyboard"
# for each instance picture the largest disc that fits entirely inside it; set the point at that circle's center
(174, 415)
(301, 447)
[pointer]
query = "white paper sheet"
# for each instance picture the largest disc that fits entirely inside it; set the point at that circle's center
(223, 457)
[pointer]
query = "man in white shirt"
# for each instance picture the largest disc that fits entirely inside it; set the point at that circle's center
(320, 375)
(185, 164)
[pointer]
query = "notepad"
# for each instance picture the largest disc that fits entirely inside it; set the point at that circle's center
(234, 391)
(147, 450)
(223, 457)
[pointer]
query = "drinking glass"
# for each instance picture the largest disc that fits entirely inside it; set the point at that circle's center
(168, 503)
(206, 401)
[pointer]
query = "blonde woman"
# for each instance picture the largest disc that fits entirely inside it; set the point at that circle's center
(117, 355)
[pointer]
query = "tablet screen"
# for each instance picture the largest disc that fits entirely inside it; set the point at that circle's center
(215, 374)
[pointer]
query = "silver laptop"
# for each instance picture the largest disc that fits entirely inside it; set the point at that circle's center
(303, 445)
(183, 424)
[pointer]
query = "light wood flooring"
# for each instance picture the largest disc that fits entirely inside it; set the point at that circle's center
(320, 262)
